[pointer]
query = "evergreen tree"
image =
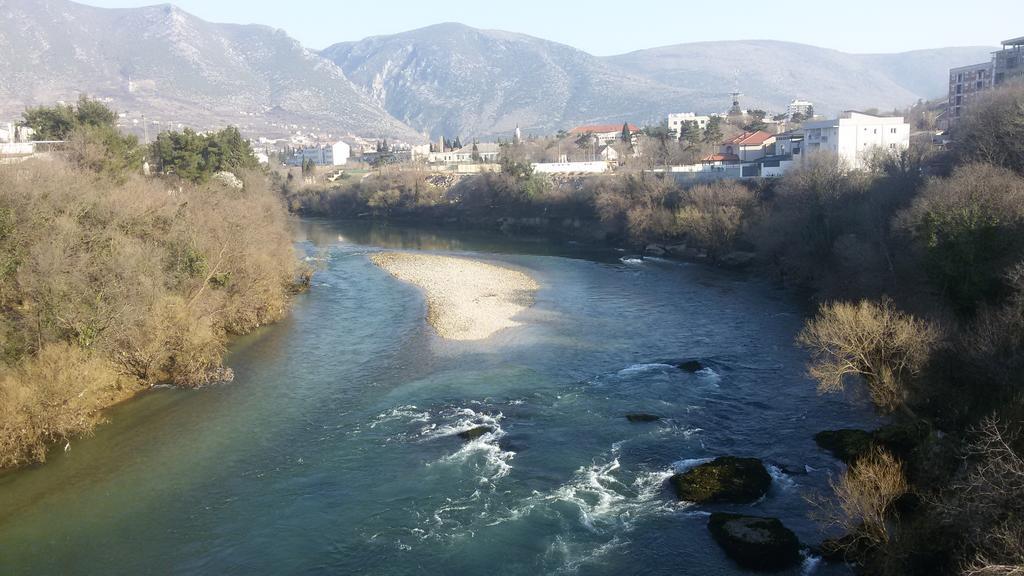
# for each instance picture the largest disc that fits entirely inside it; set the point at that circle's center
(713, 132)
(627, 135)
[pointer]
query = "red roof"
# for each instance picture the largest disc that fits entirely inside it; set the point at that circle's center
(750, 139)
(601, 129)
(720, 158)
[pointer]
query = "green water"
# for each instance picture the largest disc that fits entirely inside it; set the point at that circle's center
(333, 451)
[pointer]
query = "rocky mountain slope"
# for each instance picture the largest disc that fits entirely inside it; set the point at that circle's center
(174, 66)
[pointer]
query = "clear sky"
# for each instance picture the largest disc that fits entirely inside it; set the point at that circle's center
(605, 28)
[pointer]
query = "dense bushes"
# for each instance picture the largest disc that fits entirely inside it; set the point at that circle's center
(106, 287)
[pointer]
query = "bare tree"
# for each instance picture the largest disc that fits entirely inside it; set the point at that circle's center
(882, 346)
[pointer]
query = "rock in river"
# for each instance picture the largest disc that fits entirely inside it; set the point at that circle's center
(725, 479)
(846, 445)
(642, 417)
(754, 542)
(474, 433)
(691, 366)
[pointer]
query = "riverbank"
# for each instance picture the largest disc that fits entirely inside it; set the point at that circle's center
(466, 299)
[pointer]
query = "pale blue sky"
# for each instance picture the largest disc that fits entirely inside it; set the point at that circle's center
(626, 25)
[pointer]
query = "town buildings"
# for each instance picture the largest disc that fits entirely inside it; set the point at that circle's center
(605, 133)
(968, 83)
(854, 136)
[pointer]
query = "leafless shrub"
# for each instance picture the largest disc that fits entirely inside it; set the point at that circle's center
(865, 493)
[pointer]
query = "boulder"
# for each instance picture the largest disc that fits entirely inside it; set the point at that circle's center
(754, 542)
(228, 179)
(846, 445)
(738, 259)
(725, 479)
(654, 250)
(642, 417)
(474, 433)
(680, 250)
(691, 366)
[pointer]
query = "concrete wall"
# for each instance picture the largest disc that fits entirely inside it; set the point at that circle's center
(570, 168)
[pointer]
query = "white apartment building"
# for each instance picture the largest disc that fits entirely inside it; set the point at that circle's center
(336, 154)
(855, 135)
(801, 107)
(676, 121)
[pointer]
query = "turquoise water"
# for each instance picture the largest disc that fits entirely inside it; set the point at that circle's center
(333, 451)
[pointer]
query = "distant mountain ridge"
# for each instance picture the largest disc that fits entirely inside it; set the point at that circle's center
(447, 79)
(453, 79)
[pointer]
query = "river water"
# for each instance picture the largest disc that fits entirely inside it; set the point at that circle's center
(333, 451)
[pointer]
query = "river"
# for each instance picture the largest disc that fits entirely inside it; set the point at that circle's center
(332, 452)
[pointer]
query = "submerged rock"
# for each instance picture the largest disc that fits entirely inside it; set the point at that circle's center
(725, 479)
(846, 445)
(474, 433)
(755, 542)
(642, 417)
(691, 366)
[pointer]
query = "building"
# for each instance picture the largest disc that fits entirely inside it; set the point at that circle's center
(854, 136)
(968, 83)
(336, 154)
(485, 153)
(677, 121)
(605, 133)
(802, 108)
(748, 146)
(571, 167)
(608, 154)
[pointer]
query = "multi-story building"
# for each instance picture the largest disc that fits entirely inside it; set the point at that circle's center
(677, 121)
(1008, 63)
(968, 83)
(605, 133)
(801, 107)
(336, 154)
(854, 136)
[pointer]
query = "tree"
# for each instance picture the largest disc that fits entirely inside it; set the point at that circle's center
(104, 150)
(196, 157)
(993, 131)
(712, 215)
(690, 133)
(476, 152)
(586, 141)
(866, 493)
(880, 345)
(755, 121)
(457, 144)
(627, 135)
(713, 131)
(58, 122)
(971, 227)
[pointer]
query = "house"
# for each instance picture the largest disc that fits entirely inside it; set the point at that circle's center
(605, 133)
(677, 121)
(608, 154)
(336, 154)
(854, 136)
(748, 146)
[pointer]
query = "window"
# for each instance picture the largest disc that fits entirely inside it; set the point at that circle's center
(959, 88)
(892, 131)
(959, 100)
(892, 146)
(960, 77)
(979, 85)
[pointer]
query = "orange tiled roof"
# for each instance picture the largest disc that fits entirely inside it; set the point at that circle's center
(601, 128)
(720, 158)
(750, 138)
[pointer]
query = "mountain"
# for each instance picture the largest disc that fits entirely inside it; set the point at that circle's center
(770, 73)
(451, 79)
(447, 79)
(177, 68)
